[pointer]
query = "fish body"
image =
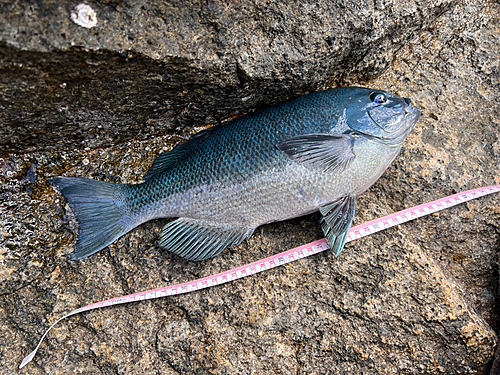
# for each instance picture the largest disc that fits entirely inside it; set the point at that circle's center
(315, 152)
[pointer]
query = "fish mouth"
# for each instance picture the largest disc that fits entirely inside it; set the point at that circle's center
(409, 105)
(400, 130)
(412, 114)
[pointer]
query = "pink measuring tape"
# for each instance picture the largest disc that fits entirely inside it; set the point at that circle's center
(285, 257)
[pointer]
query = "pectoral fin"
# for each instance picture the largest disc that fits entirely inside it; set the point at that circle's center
(198, 240)
(337, 220)
(326, 152)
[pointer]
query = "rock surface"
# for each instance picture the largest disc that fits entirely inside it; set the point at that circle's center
(146, 69)
(417, 299)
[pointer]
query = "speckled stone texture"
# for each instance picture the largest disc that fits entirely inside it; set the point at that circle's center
(150, 68)
(420, 298)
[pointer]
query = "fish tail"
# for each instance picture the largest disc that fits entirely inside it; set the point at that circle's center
(100, 209)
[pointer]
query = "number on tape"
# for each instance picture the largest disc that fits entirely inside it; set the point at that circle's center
(285, 257)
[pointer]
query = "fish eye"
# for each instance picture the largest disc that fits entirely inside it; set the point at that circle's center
(378, 98)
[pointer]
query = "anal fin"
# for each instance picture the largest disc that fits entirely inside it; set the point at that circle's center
(197, 240)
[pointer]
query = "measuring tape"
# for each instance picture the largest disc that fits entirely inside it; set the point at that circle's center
(283, 258)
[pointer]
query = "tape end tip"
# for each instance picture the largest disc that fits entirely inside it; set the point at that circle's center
(28, 359)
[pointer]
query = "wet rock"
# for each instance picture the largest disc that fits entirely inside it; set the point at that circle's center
(105, 72)
(416, 299)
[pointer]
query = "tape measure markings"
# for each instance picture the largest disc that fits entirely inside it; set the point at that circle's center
(288, 256)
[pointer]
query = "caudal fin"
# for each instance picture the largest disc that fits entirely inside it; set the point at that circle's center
(100, 210)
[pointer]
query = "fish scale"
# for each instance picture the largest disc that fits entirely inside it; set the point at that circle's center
(245, 160)
(318, 151)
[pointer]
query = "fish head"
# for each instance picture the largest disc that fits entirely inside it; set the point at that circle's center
(379, 115)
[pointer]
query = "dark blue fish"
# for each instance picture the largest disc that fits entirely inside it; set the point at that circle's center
(316, 152)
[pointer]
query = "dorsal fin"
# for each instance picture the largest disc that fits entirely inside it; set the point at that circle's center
(168, 159)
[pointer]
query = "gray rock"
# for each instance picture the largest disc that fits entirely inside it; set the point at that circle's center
(416, 299)
(146, 69)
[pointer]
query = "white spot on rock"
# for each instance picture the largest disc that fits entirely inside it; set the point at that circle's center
(84, 15)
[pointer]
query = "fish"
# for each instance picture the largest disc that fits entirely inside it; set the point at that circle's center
(316, 152)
